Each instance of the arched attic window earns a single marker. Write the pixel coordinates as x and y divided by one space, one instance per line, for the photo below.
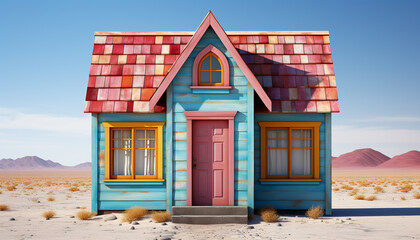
210 69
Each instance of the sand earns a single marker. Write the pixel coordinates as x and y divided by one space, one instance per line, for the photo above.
388 217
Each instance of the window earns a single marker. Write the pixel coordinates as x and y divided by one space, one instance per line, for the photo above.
133 151
289 151
211 71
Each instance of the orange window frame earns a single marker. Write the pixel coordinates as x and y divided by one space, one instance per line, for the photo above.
133 127
211 70
289 126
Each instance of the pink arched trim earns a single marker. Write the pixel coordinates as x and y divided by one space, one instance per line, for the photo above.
220 55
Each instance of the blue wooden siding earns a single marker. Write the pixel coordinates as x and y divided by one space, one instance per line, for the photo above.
121 197
185 100
292 195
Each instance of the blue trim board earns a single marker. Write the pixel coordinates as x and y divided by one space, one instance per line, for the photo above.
94 153
251 133
328 206
210 91
133 183
289 183
169 150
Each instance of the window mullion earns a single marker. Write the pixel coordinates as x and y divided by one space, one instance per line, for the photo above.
133 155
289 149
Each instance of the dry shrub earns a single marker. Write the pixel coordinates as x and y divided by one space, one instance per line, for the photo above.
416 195
250 216
378 189
371 198
48 214
315 212
269 214
82 207
50 199
34 199
403 198
336 189
161 216
85 214
26 183
29 188
353 192
347 187
405 188
74 189
1 192
134 213
266 208
4 207
359 197
11 188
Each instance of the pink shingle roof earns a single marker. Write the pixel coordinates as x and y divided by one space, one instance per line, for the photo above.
294 68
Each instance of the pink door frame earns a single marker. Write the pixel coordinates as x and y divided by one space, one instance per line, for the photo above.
212 115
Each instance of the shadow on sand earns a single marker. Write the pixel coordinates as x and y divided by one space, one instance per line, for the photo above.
373 212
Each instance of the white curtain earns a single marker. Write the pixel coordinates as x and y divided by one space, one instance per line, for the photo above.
122 159
145 158
301 158
277 158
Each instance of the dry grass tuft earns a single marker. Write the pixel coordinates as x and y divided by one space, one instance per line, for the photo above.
4 207
50 199
34 199
269 214
403 198
29 188
134 213
378 189
315 212
11 188
161 216
359 197
74 189
85 214
82 207
371 198
405 188
336 189
353 192
48 214
346 187
1 192
250 216
416 195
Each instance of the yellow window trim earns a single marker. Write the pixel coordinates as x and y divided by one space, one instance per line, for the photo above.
221 71
315 163
159 150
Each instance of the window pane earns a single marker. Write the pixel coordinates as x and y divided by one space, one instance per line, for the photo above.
205 65
117 144
150 143
205 77
307 143
306 133
216 76
272 134
122 162
215 65
295 133
145 162
140 133
296 143
140 144
283 143
272 143
301 161
116 133
126 134
126 144
150 134
283 134
277 162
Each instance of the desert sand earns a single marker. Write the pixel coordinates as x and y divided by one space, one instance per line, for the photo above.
386 217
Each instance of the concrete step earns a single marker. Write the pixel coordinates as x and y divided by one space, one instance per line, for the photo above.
210 210
210 219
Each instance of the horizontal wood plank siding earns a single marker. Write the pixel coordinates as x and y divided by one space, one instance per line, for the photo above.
290 196
185 100
121 197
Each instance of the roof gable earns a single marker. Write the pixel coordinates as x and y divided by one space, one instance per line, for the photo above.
210 21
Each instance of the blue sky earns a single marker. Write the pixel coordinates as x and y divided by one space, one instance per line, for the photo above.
47 45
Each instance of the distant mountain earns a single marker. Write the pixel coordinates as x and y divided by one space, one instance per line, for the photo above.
360 158
410 159
36 163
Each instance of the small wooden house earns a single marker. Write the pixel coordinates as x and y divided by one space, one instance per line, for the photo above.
211 118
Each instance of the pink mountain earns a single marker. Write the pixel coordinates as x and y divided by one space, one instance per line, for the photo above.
360 158
36 163
407 160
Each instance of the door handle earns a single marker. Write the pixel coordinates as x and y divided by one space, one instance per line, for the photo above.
194 165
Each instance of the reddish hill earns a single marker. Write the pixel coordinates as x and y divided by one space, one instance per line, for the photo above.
407 160
360 158
36 163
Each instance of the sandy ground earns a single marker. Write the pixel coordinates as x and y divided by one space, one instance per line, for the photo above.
387 217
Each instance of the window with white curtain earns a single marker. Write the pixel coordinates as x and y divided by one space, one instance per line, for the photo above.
289 150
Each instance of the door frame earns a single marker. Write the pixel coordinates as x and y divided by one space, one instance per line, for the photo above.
212 115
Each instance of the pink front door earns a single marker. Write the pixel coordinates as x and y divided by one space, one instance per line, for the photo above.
210 163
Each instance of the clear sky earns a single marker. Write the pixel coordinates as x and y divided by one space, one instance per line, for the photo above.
46 49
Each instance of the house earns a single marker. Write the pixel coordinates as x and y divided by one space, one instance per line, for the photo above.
211 118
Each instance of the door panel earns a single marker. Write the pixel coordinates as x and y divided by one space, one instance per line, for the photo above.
210 163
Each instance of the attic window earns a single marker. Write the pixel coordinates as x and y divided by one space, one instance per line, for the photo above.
210 69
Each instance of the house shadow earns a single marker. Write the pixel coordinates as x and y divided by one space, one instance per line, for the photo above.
375 212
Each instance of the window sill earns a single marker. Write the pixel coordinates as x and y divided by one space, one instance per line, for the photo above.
291 181
130 182
211 89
